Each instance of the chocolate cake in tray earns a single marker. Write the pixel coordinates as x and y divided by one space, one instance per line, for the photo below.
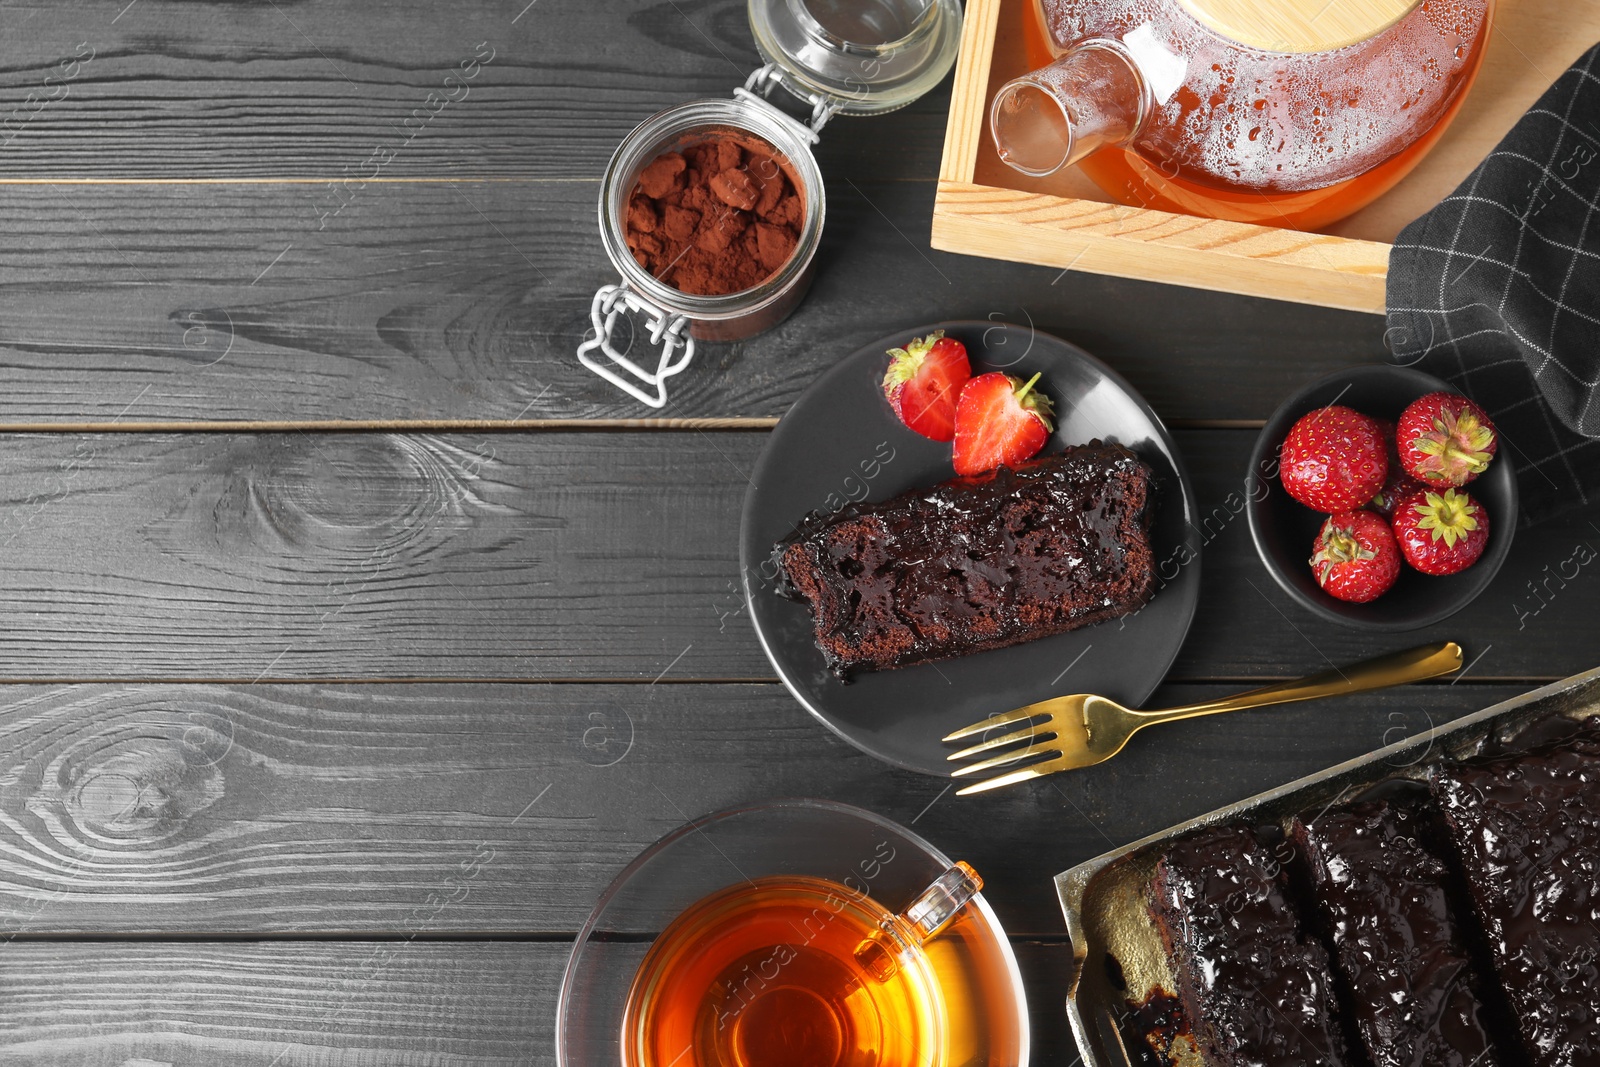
1254 984
1527 827
1060 542
1385 904
1461 918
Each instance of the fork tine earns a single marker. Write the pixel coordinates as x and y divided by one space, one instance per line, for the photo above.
1032 732
1010 757
1002 780
1032 711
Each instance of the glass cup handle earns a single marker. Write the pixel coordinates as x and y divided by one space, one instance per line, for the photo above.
900 936
938 904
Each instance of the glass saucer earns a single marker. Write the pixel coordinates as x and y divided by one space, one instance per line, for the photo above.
978 978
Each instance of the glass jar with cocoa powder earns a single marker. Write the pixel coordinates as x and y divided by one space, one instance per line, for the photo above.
712 211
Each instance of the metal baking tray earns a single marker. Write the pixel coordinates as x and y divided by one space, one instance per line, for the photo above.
1106 899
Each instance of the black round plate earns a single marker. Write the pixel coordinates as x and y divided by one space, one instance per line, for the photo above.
841 443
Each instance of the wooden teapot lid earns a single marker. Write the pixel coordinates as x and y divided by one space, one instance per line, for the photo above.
1298 25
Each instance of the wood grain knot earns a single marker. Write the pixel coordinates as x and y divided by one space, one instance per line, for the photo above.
349 502
140 784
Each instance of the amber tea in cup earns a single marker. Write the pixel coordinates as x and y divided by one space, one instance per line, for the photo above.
795 972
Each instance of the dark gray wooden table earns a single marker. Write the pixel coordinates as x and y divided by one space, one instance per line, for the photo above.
354 637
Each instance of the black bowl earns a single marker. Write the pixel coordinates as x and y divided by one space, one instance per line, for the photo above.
1284 529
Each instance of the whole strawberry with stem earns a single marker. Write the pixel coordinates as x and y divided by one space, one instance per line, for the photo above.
1441 531
1333 459
1000 421
1355 557
924 382
1445 439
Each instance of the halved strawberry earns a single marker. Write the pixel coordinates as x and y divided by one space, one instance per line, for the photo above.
1000 421
924 381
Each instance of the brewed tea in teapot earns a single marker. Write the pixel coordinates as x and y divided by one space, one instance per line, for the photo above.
1288 113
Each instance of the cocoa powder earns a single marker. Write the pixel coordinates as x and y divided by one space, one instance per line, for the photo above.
721 216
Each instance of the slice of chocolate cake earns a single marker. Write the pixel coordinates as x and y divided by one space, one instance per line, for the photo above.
1527 827
977 563
1397 941
1255 987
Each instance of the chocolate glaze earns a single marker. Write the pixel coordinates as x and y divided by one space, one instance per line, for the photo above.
1397 941
1153 1026
1255 985
976 563
1527 828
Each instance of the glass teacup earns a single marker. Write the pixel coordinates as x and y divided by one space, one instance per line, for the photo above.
766 937
795 972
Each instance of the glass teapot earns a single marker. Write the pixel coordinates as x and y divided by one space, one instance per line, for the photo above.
1292 113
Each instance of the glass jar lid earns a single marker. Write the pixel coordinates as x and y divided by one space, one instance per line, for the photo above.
858 57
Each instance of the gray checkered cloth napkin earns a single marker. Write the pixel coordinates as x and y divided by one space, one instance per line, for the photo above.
1497 290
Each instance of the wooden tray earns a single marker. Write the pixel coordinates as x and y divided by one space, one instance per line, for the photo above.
985 208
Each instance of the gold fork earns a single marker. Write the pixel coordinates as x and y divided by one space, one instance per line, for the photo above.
1082 730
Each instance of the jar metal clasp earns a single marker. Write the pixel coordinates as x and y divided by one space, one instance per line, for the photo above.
666 330
759 86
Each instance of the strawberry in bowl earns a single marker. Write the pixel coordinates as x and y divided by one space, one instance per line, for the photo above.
1356 558
1445 439
1396 487
1334 459
1441 532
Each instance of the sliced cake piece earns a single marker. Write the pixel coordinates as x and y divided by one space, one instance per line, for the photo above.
1254 985
1528 830
977 563
1396 938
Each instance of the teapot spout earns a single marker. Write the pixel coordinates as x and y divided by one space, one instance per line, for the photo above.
1093 96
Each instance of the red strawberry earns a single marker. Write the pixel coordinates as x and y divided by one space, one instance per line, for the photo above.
924 381
1386 428
1000 421
1445 439
1441 532
1356 558
1334 459
1397 486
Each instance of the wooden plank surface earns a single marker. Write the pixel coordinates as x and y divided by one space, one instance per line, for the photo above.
443 810
401 1004
116 1004
211 90
225 211
447 301
549 556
